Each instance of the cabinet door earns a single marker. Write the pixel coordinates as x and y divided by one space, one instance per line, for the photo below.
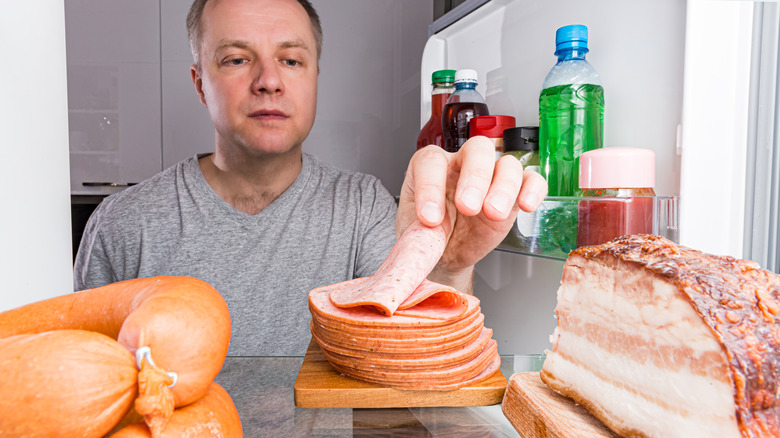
187 126
113 58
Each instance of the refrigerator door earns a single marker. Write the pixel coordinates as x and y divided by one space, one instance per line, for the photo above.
638 49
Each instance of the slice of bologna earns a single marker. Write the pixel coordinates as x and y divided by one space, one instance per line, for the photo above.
419 246
400 330
438 313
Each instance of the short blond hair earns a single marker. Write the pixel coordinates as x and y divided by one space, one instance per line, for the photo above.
194 31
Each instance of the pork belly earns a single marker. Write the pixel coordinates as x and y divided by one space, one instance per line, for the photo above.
659 340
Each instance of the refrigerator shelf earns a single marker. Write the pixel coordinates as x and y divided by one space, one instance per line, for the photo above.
561 224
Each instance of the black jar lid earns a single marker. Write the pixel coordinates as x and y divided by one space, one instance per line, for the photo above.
523 138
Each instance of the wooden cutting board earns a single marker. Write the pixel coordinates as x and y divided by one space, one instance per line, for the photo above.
536 411
319 386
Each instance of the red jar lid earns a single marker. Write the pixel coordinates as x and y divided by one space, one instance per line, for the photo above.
490 126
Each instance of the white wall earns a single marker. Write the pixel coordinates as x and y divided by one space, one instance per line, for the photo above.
35 262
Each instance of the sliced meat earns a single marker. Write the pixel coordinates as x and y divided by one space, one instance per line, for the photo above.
392 362
400 330
418 246
451 378
437 315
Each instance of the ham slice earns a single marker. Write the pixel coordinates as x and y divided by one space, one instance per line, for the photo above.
420 248
400 330
659 340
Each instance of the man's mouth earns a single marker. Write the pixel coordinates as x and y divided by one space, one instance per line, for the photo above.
268 114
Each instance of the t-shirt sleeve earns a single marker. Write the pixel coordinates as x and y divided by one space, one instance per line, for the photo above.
92 267
379 235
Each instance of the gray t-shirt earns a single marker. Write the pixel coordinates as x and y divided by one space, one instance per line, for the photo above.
328 226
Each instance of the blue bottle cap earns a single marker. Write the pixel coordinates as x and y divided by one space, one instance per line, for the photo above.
573 36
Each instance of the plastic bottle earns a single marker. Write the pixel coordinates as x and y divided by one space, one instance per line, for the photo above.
619 183
463 104
493 128
523 143
571 112
443 82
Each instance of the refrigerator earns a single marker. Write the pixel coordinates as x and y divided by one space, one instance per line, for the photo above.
680 78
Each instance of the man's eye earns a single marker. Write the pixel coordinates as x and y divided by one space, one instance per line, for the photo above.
235 61
291 62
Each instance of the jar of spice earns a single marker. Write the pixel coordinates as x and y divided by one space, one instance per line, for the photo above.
618 182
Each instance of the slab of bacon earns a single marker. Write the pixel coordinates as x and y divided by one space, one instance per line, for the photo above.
659 340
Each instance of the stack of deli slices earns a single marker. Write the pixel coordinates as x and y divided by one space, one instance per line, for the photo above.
659 340
398 329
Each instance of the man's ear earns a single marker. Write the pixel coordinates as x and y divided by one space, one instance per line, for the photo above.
198 81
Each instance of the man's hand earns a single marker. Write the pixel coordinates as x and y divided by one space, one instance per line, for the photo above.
474 197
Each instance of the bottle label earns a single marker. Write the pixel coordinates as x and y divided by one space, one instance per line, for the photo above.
571 120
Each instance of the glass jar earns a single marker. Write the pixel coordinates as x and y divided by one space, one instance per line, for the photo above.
618 183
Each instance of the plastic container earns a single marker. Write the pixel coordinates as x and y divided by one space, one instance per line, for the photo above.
462 105
492 127
443 82
619 183
571 112
523 143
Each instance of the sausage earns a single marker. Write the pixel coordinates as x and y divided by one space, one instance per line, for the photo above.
64 383
183 320
214 415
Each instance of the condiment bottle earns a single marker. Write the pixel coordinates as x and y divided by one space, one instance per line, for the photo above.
493 128
619 183
443 82
463 104
571 112
523 143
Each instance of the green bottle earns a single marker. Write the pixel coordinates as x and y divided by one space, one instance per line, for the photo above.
571 112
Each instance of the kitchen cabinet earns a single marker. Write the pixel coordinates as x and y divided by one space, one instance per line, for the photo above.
113 61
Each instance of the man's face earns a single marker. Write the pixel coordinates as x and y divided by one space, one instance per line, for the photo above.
258 75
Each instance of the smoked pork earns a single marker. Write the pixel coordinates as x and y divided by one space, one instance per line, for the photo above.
659 340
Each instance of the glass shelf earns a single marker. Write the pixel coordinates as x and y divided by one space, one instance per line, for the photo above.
561 224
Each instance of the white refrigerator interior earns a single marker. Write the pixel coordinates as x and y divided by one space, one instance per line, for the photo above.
36 244
638 49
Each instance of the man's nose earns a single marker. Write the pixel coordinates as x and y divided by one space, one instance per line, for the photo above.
267 77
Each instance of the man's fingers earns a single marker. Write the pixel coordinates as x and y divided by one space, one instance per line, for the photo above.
532 192
428 169
507 180
475 161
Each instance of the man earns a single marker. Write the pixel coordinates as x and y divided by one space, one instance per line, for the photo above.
263 222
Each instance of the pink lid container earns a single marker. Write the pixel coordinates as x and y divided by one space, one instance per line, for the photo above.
617 167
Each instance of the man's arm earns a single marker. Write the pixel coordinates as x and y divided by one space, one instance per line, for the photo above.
473 196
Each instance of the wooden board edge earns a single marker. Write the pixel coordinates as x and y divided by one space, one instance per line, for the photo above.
536 411
382 397
356 395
